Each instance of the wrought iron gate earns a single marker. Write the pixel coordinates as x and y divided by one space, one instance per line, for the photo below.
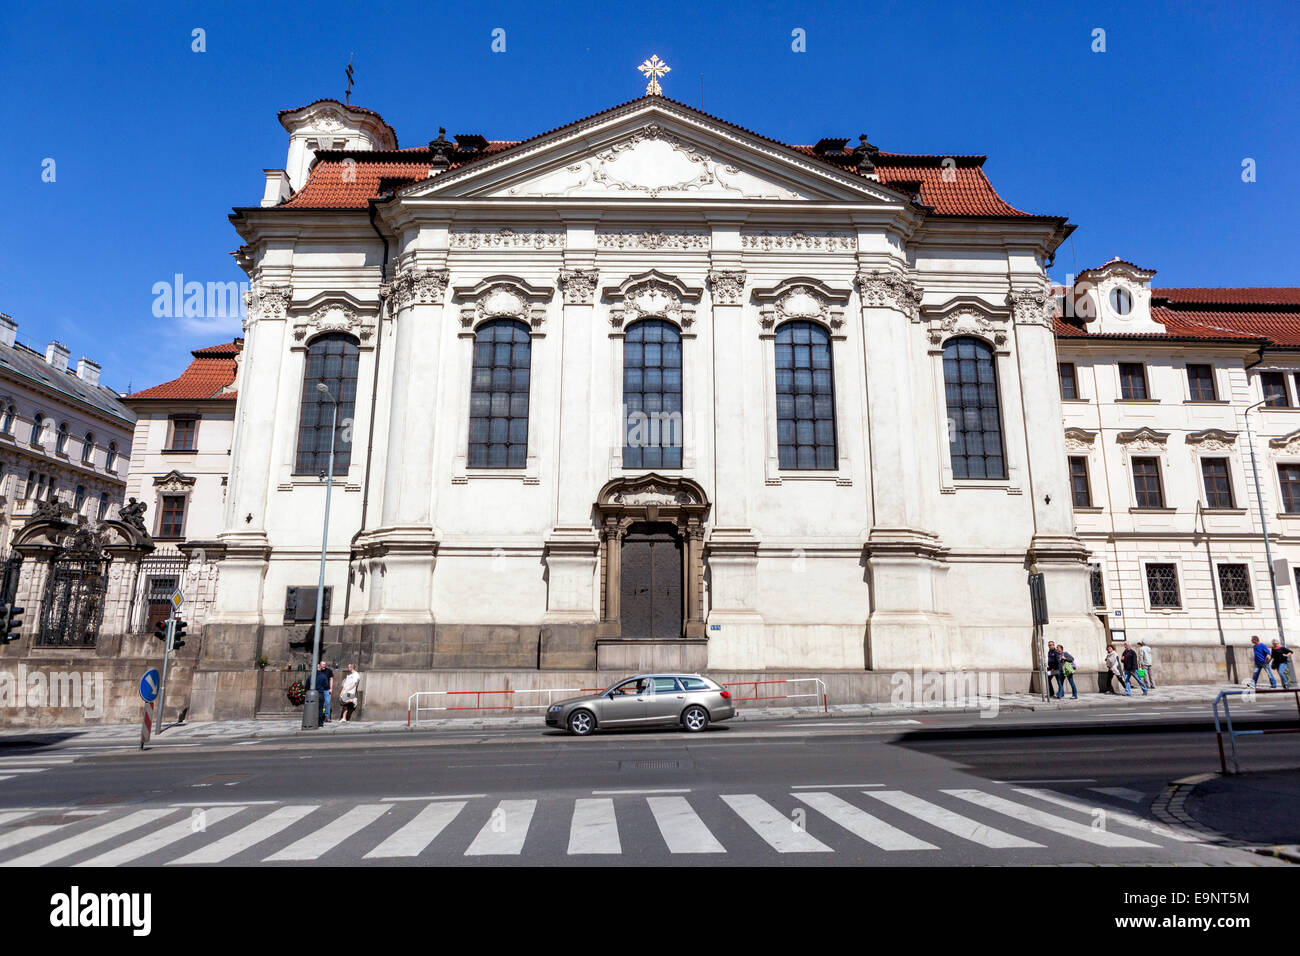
73 605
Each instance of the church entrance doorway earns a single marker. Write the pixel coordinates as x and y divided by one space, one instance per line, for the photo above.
651 595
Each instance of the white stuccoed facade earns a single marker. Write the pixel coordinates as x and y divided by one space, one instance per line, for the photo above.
883 562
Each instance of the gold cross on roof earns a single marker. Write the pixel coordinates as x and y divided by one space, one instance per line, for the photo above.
654 68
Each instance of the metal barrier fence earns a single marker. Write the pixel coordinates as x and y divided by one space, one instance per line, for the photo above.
1234 734
413 702
793 680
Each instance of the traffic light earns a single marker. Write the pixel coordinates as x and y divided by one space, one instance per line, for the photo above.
160 630
178 635
10 623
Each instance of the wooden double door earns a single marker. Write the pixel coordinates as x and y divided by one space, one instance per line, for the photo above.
651 592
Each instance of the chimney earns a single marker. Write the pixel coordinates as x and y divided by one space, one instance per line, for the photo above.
8 330
88 371
56 353
277 187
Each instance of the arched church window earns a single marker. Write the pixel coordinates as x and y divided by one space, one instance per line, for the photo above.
652 395
974 418
498 397
805 397
331 361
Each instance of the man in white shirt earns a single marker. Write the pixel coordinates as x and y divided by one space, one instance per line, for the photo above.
1145 660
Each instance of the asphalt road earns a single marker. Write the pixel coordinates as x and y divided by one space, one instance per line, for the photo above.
947 789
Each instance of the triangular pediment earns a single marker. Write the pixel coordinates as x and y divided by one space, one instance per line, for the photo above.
653 148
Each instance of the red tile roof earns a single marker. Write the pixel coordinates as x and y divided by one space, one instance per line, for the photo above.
212 370
349 179
1255 297
1264 316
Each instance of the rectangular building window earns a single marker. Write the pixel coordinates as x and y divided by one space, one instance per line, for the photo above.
1147 491
1162 585
1132 380
1234 585
184 431
1069 385
1288 477
1218 483
1096 586
1079 482
1200 383
171 516
1274 387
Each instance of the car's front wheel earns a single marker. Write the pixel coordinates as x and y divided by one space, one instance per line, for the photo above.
581 723
695 719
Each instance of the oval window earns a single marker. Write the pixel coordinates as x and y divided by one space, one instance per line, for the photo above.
1121 301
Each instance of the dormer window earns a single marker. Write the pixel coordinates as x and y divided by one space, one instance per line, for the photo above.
1121 301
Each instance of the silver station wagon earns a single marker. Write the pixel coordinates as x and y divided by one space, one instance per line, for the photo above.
647 700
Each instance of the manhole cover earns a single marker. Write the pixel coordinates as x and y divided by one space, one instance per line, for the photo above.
649 765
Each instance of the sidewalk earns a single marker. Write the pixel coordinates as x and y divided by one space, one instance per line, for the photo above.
216 731
1254 808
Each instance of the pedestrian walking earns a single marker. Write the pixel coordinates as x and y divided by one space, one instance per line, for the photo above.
1262 660
324 684
1053 667
1145 659
348 696
1113 673
1067 672
1130 661
1282 663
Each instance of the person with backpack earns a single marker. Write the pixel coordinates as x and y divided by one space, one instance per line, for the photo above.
1067 673
1145 660
1130 661
1262 661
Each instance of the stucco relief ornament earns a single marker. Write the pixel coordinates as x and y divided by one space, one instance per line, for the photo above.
579 285
325 120
267 301
1213 439
728 286
890 290
653 298
966 322
652 239
1144 440
501 302
1079 440
801 302
509 239
419 286
1032 306
334 317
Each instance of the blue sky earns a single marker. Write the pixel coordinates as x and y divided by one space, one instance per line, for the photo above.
1142 145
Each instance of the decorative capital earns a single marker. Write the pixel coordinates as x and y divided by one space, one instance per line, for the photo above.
890 290
267 301
728 286
579 285
1032 306
419 286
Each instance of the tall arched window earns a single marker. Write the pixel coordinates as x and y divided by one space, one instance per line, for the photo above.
332 361
37 424
974 420
61 446
7 426
805 397
652 395
111 460
88 447
498 395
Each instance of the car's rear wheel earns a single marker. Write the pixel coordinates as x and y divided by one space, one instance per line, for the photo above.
581 723
695 719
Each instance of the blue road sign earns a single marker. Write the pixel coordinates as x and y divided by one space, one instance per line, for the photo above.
149 685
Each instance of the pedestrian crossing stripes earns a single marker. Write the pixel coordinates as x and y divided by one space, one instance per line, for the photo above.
871 823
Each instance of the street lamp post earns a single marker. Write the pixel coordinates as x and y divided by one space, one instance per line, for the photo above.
311 706
1263 522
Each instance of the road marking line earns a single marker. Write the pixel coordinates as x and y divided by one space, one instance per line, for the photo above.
445 796
158 840
227 803
505 832
413 838
84 841
779 831
954 823
2 779
1119 816
23 834
634 793
257 831
681 827
1123 793
12 770
1047 821
862 824
7 762
1049 780
594 829
10 816
314 845
834 786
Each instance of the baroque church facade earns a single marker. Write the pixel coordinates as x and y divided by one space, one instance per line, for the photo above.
646 391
